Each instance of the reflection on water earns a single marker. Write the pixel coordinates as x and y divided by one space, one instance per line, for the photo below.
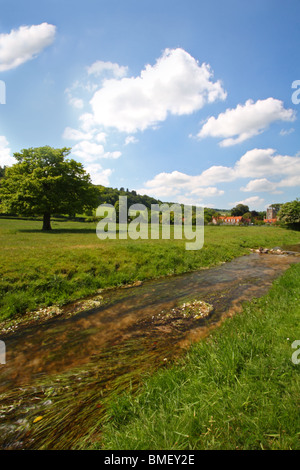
74 364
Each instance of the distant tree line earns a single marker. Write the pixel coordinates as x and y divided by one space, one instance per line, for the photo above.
111 196
44 182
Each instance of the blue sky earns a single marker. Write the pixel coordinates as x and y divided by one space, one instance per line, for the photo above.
189 101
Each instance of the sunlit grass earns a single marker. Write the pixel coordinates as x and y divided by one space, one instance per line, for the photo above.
40 269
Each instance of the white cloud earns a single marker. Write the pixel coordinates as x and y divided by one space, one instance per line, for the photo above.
90 151
176 84
130 140
216 174
5 153
245 121
87 122
209 191
98 175
284 132
159 192
101 137
76 102
99 67
171 184
24 44
175 179
263 162
290 181
257 163
188 201
260 185
264 185
253 201
114 155
74 134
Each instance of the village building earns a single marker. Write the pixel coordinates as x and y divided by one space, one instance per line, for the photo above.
230 220
271 215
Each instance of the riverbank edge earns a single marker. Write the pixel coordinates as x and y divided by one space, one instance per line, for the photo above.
95 300
237 389
77 306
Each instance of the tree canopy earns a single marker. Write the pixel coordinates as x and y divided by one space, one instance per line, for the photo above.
2 171
238 210
290 213
44 182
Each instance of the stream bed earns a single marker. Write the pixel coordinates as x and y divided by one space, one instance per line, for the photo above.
60 375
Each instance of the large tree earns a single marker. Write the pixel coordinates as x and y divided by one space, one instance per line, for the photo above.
44 182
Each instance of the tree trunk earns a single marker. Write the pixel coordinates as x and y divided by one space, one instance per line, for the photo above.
47 221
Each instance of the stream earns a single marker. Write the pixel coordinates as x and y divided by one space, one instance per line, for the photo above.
61 375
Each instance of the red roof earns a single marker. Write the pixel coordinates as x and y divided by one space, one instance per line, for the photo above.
232 217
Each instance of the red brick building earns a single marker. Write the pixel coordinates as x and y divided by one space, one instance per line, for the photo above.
229 220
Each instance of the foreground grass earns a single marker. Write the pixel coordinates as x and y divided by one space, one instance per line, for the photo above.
238 389
39 269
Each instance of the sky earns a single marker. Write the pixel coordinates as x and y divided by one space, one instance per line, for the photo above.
194 101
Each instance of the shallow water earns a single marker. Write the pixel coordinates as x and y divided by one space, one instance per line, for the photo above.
66 370
295 248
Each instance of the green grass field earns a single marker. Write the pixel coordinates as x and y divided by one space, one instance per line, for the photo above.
44 268
238 389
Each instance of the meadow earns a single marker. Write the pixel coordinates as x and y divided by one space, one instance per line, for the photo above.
39 269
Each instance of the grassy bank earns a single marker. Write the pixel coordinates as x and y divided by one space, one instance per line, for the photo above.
238 389
41 269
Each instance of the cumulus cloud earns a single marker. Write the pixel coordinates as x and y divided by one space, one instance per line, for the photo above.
290 181
188 201
284 132
176 85
76 102
23 44
171 184
98 175
253 201
75 134
90 151
87 122
245 121
100 67
5 153
256 163
260 185
101 137
130 140
260 164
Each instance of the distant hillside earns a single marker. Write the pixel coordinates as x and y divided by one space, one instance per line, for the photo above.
111 196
